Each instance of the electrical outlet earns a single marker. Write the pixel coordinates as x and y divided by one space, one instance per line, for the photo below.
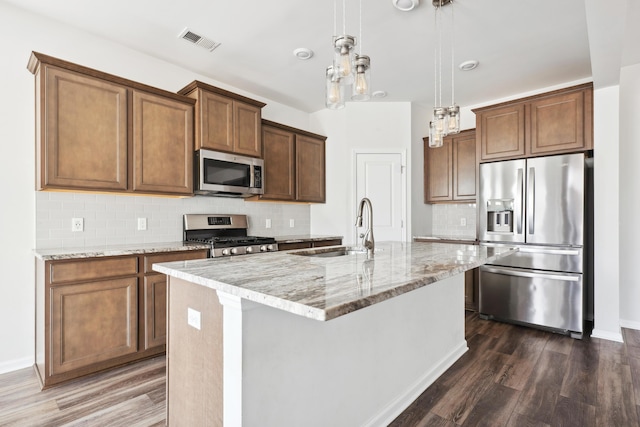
142 224
267 223
292 223
463 222
77 224
193 318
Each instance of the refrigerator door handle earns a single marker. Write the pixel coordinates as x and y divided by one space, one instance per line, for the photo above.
531 274
531 201
519 201
550 251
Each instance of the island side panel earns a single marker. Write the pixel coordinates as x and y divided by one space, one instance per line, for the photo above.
363 368
194 356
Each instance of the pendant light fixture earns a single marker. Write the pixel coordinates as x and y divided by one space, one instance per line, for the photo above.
349 72
445 120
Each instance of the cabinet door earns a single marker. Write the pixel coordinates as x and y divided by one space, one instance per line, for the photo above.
557 124
92 323
438 163
310 169
464 166
162 145
155 310
502 132
247 129
214 122
279 168
82 132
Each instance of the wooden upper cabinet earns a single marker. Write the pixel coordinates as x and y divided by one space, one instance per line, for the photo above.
551 123
502 132
438 166
558 123
162 145
450 171
294 164
82 131
226 121
278 150
464 166
310 169
99 132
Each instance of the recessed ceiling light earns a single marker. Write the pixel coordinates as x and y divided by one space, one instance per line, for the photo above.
303 53
468 65
405 5
379 94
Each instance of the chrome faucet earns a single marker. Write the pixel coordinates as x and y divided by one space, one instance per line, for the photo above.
367 236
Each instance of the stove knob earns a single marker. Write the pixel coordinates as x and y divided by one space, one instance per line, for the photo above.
263 248
249 249
270 248
234 251
226 252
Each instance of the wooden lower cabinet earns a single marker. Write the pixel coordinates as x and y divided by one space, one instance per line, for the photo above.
97 313
308 244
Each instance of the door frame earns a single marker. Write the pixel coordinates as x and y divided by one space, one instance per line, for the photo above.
354 174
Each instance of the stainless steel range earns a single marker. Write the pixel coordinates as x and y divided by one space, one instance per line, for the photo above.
227 235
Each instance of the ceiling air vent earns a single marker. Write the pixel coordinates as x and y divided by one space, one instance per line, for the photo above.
198 40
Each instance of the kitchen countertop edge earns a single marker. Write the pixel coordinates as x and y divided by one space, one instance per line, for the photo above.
116 250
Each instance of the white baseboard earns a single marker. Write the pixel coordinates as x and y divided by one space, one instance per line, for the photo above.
14 365
402 402
607 335
629 324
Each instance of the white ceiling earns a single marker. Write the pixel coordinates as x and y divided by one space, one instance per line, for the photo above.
522 45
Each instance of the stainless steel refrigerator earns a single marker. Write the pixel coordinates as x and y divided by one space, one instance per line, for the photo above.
542 205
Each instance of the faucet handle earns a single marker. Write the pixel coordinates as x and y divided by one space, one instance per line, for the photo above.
361 235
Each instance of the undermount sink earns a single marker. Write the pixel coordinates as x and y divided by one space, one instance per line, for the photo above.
332 252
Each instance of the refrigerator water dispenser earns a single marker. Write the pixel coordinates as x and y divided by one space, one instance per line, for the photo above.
500 215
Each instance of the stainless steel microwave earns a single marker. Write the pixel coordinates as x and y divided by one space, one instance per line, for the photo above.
227 175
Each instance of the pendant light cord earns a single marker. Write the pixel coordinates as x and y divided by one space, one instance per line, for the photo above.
360 36
344 17
453 102
335 18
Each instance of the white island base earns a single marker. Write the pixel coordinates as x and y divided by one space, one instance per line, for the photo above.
253 365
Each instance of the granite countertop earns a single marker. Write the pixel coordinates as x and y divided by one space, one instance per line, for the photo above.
304 238
116 250
435 238
324 288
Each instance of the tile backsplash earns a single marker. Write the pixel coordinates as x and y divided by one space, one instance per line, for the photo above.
454 220
113 219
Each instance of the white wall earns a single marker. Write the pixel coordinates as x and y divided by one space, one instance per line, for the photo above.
606 208
357 126
629 196
22 33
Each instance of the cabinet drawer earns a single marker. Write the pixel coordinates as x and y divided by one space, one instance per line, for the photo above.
92 268
322 243
294 245
149 260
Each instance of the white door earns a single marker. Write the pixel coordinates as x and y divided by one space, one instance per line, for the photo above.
381 178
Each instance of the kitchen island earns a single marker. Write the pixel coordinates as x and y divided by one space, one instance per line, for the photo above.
286 338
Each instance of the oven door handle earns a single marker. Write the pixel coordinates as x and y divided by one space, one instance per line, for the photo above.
529 274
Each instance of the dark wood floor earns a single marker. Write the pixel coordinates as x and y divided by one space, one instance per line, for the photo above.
511 376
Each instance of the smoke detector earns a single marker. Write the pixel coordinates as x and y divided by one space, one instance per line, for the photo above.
198 40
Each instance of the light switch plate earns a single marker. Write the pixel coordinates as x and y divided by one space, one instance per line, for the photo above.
292 223
193 318
267 223
142 224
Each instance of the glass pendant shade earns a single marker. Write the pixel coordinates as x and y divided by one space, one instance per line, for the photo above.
344 58
453 119
334 96
440 120
435 137
362 86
